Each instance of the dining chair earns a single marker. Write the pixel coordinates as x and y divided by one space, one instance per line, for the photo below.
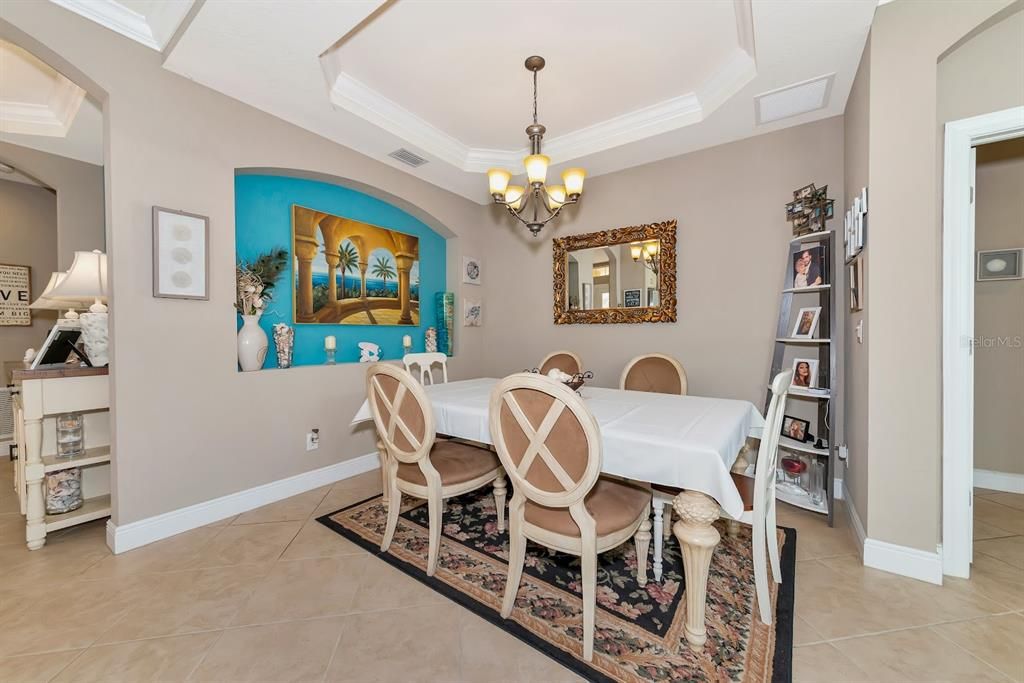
425 362
550 446
566 361
660 374
758 496
419 465
654 372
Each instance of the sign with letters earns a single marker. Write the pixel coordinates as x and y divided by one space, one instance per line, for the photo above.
15 295
631 298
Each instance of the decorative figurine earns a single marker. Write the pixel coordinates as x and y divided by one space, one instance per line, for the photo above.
369 352
430 340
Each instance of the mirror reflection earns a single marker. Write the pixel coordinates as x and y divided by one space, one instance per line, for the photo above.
615 276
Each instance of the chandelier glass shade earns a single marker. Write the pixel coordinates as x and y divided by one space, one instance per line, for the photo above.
538 203
649 252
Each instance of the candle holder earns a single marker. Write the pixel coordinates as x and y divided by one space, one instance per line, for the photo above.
407 348
330 356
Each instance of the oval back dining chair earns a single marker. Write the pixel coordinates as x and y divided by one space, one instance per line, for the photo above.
425 362
759 496
654 372
550 446
418 465
566 361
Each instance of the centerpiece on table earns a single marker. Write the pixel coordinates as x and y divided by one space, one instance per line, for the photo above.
254 285
573 381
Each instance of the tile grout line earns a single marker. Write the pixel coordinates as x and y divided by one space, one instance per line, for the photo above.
205 655
969 653
908 628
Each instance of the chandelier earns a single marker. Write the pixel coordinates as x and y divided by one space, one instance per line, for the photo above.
536 205
649 251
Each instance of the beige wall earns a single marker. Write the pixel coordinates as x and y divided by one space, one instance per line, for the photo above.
187 426
79 186
732 257
904 168
999 312
855 137
28 237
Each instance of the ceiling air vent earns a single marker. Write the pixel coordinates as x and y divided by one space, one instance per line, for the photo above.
795 99
408 158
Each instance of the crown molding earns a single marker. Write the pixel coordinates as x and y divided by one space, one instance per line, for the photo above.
363 101
116 17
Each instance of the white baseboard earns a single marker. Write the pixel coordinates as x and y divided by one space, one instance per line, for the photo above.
858 525
999 481
899 559
124 537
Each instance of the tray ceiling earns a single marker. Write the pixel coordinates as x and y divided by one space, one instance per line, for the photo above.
627 82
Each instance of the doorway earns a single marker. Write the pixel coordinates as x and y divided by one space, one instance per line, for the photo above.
959 270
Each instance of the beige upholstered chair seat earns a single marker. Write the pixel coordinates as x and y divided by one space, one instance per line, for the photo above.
614 505
455 462
655 373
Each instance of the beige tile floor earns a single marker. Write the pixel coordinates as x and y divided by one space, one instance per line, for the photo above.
271 595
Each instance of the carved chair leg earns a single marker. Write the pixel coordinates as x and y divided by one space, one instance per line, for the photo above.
659 536
516 558
500 492
642 538
435 510
588 562
394 507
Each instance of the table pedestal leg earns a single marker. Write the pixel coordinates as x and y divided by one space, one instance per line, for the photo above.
698 538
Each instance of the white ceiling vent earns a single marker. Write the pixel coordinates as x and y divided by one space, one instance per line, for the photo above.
791 100
408 158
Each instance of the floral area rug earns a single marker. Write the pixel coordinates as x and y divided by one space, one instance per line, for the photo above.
639 630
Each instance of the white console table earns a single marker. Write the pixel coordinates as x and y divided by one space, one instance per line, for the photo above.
41 395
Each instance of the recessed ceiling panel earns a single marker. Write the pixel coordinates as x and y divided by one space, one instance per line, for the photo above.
35 99
459 65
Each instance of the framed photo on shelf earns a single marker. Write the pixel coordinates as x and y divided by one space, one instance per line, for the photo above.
806 322
795 428
805 373
809 267
181 254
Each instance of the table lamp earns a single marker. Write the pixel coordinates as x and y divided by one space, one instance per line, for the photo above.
45 302
85 280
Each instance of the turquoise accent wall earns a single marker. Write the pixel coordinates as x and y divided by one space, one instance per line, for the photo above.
263 220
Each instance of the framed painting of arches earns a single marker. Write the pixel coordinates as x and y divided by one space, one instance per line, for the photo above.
348 272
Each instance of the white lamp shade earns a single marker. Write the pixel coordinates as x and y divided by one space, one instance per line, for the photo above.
44 301
86 279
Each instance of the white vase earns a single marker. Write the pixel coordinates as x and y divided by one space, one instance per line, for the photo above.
252 344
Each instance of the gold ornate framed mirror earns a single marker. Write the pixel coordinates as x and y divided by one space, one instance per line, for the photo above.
625 275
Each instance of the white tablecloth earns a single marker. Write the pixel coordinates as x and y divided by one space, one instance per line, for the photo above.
689 442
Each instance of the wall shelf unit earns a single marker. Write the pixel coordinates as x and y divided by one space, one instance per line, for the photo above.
826 403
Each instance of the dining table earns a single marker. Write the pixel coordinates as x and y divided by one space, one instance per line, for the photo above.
691 443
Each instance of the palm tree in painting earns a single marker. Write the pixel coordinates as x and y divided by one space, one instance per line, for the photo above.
348 262
383 271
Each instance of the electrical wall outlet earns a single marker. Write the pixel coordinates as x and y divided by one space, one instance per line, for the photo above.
313 440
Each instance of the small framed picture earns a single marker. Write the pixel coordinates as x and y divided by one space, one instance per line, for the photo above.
805 373
855 276
806 322
631 298
472 313
809 267
181 254
1000 264
804 192
15 295
795 428
471 270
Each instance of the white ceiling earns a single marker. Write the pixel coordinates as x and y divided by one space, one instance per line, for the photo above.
40 108
627 82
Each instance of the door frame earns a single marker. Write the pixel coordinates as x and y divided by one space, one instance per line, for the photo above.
961 137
